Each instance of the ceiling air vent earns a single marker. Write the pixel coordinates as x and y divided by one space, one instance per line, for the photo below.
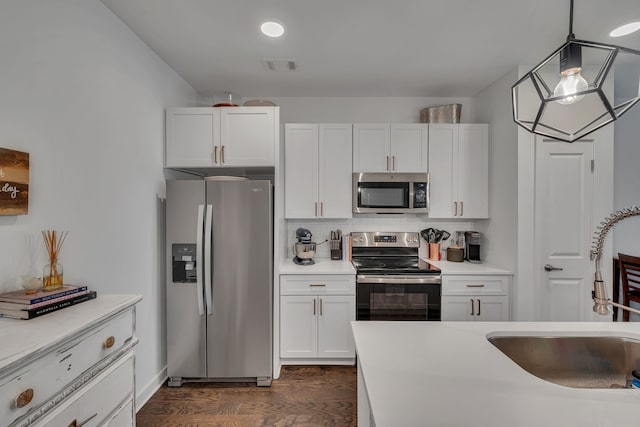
279 64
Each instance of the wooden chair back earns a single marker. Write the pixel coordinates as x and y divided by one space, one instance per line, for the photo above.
630 278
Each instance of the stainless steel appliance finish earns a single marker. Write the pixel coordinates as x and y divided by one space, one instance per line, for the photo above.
578 361
473 241
392 282
390 193
219 318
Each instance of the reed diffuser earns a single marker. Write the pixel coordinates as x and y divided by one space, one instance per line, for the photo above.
52 272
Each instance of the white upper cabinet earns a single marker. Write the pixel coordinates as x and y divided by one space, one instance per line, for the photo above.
459 170
219 137
381 147
192 134
318 170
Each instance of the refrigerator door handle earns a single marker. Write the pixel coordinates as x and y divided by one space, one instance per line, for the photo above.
199 264
208 237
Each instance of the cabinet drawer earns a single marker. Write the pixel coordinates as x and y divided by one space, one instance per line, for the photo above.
475 285
54 371
100 400
317 284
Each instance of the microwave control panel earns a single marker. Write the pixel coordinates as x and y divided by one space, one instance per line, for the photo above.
419 194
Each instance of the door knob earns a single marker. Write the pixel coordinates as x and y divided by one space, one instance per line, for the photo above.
550 267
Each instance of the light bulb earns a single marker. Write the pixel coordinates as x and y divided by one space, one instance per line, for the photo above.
570 83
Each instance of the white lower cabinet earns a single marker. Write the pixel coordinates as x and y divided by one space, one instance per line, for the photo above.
482 298
315 316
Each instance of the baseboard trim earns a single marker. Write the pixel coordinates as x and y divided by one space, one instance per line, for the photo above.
150 388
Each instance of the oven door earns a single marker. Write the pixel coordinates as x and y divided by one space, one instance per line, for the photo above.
389 297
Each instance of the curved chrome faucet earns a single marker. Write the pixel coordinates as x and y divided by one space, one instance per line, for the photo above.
601 302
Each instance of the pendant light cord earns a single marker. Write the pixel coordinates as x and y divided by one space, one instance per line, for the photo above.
571 35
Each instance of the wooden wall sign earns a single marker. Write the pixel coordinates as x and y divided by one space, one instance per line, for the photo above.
14 182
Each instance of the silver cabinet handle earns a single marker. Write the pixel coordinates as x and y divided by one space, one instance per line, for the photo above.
317 284
215 155
550 267
314 306
222 155
461 208
320 306
472 307
321 208
393 162
387 162
316 210
475 286
455 208
478 307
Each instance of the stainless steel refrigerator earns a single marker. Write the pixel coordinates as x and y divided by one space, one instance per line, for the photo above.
219 280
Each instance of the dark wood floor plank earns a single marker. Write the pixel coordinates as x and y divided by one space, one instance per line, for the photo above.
303 396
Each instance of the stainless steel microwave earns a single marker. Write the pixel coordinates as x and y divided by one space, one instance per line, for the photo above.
390 193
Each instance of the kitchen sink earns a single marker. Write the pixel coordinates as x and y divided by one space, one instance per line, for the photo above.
574 361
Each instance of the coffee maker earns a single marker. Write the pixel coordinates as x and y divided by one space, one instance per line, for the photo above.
472 240
304 249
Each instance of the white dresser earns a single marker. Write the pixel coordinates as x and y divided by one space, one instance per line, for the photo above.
71 367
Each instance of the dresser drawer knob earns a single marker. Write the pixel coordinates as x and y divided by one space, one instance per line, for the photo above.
24 398
109 342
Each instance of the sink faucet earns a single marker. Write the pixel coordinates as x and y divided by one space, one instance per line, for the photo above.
599 294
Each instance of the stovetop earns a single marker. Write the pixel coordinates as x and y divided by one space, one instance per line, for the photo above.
393 265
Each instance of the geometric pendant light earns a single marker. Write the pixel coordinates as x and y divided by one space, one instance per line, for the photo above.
570 93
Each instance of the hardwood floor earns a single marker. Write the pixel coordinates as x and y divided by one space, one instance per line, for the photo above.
303 396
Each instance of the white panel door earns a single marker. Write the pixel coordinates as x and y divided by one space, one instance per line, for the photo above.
191 136
247 136
334 330
473 171
409 145
564 185
443 153
371 146
298 326
301 170
334 170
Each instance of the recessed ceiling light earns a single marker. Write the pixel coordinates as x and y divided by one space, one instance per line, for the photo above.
625 29
272 29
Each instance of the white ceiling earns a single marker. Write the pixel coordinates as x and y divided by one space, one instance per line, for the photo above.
363 47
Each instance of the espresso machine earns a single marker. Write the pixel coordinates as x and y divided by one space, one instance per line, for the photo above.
304 249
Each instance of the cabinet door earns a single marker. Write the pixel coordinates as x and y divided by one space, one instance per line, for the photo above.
492 308
334 329
298 326
443 152
334 170
247 136
409 145
473 173
371 147
301 170
191 136
457 308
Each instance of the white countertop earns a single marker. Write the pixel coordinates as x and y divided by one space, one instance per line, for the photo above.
322 266
449 267
20 338
448 374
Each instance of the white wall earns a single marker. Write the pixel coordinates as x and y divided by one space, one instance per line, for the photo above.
86 98
493 106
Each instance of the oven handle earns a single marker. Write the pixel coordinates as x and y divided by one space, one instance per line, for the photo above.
400 280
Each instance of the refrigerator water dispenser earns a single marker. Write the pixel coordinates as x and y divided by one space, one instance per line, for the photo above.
184 262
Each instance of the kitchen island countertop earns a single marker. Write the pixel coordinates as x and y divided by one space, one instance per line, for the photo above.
449 374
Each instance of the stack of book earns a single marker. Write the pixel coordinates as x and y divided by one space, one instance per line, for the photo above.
18 305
